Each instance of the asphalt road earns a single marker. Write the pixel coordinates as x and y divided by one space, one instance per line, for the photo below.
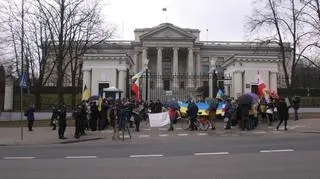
288 156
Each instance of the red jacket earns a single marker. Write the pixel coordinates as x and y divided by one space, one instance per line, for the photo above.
172 113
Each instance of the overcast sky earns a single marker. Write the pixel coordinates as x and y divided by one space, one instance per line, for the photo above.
224 19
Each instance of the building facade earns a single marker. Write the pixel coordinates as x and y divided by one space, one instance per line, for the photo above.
171 52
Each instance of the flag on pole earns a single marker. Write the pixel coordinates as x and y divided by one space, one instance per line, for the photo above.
220 94
164 9
261 85
85 93
135 86
100 103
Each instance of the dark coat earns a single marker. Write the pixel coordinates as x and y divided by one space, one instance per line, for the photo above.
283 110
30 114
192 110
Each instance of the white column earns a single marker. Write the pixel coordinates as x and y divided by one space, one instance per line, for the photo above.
237 84
144 81
159 66
144 54
273 81
210 84
8 95
175 67
198 59
86 80
122 82
135 61
190 67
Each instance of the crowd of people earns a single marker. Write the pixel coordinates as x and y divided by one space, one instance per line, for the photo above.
118 114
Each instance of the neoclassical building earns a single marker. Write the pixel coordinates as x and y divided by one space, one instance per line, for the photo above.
179 62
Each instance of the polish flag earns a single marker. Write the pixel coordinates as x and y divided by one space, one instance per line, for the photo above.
261 85
135 89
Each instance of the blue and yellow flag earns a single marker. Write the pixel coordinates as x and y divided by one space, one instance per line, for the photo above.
85 93
220 94
100 103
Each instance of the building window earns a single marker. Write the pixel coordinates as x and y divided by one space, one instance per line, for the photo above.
166 85
181 85
205 69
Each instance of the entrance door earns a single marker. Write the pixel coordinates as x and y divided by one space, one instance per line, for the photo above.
102 86
254 89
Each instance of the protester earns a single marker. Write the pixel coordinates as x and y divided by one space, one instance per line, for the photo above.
192 112
29 113
283 113
62 114
54 117
172 115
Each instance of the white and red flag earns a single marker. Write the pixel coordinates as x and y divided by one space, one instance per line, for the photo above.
135 85
261 85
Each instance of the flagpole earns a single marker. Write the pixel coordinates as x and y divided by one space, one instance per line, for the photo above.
22 69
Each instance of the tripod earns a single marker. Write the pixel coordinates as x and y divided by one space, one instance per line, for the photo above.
123 126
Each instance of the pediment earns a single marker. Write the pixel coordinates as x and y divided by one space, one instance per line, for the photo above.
168 32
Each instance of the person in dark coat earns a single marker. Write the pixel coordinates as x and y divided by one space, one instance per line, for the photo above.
283 111
152 107
192 112
30 116
84 118
54 117
158 106
62 114
94 116
78 122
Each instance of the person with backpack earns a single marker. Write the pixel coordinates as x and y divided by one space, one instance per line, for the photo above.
192 112
212 113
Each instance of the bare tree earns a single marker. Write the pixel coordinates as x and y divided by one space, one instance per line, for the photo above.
70 21
282 19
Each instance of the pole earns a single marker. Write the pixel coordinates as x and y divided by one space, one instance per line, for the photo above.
214 83
147 83
22 68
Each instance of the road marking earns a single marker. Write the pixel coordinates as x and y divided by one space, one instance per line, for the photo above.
163 135
144 156
259 132
18 158
182 134
178 128
163 129
213 153
281 150
80 157
144 136
201 134
125 136
147 129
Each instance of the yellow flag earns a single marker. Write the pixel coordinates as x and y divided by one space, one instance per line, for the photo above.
100 104
85 93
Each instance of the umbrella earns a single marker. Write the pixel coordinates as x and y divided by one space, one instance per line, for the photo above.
94 98
245 99
254 96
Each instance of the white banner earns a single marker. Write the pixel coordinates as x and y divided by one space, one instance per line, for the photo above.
159 119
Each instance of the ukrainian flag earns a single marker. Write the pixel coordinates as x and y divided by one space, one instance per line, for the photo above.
85 93
203 107
100 103
220 94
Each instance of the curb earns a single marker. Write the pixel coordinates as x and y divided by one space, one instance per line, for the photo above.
79 140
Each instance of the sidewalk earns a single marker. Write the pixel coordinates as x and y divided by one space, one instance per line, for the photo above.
42 136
